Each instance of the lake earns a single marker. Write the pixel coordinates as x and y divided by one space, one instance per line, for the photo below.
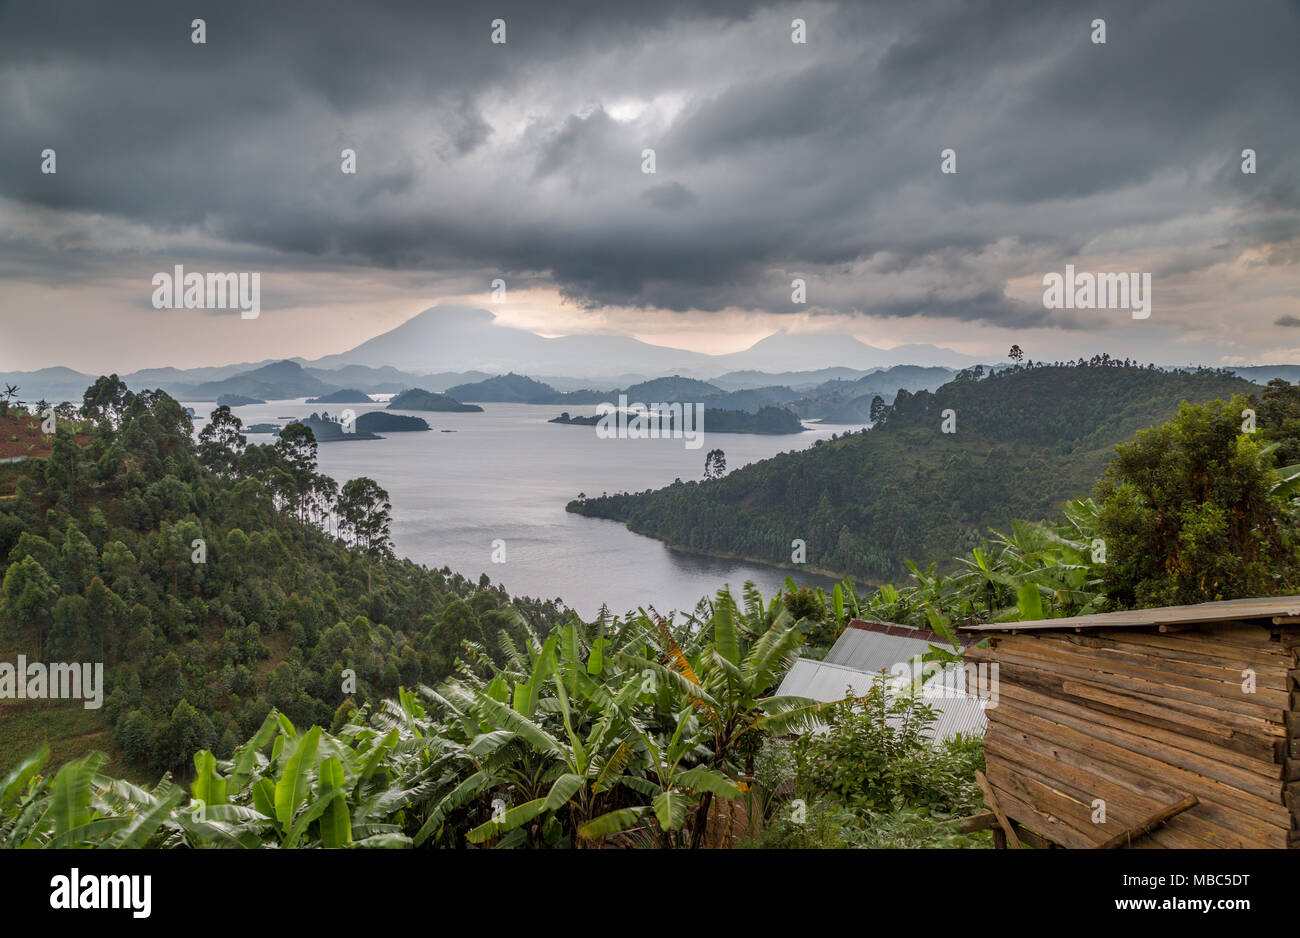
506 474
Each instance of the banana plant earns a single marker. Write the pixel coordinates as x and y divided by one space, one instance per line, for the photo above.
81 808
673 790
726 666
566 728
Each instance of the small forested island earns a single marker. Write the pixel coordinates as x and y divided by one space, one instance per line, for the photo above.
376 421
420 399
262 428
576 421
770 420
329 429
237 400
342 396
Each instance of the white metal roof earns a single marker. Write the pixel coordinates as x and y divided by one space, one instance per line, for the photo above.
871 651
826 681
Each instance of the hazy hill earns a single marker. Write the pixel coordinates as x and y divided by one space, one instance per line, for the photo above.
1025 440
276 381
342 396
510 388
1263 374
237 400
52 384
850 401
520 389
446 337
673 388
752 398
785 351
386 380
450 337
742 380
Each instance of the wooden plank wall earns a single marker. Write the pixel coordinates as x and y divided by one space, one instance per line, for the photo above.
1290 640
1139 719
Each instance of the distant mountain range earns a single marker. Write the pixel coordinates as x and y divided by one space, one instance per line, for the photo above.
834 401
446 346
447 337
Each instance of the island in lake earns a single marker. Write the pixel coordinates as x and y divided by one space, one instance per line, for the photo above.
342 396
237 400
328 429
420 399
376 421
263 428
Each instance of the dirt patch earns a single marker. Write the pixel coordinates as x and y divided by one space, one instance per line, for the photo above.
20 435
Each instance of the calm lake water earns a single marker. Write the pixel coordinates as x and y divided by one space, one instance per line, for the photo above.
507 474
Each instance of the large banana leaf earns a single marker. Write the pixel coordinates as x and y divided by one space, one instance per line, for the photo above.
613 822
335 825
208 786
509 820
70 798
15 783
293 784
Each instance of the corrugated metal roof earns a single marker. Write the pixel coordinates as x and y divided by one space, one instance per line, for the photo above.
826 681
870 651
1278 607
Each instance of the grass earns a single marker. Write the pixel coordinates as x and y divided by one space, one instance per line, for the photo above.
67 727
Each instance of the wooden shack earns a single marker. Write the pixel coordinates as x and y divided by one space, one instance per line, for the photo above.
1169 727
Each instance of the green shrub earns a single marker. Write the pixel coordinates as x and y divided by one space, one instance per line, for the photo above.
877 756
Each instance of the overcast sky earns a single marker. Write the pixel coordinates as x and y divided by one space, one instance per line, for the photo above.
774 160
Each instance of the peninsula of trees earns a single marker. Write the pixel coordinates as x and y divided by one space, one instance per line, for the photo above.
1024 440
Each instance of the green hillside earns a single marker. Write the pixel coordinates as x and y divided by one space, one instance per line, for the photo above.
295 582
1027 439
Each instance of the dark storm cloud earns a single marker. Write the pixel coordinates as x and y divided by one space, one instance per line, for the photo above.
669 196
774 159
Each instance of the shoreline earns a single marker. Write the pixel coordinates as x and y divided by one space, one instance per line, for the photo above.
721 555
792 567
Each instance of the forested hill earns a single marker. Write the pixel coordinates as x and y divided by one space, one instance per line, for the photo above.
1026 439
215 580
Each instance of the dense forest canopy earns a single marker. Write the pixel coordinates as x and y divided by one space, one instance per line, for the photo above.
296 583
